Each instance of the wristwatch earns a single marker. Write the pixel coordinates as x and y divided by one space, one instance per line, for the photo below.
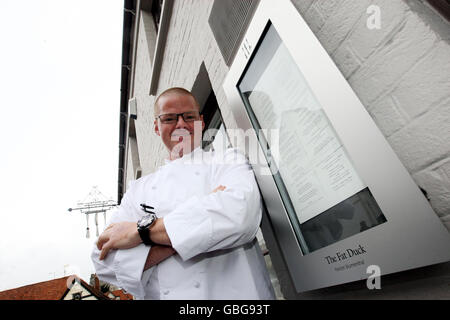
143 227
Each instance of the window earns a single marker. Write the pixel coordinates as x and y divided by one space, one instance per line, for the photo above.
156 12
214 136
76 296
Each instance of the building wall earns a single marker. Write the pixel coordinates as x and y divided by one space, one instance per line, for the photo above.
400 72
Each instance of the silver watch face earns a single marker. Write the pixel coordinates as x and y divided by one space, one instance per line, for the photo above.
147 221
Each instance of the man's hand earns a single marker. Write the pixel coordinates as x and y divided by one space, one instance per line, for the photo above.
122 235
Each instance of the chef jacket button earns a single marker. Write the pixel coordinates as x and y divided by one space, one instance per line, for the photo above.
154 187
166 292
197 284
197 173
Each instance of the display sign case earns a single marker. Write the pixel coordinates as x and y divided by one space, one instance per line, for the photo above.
337 196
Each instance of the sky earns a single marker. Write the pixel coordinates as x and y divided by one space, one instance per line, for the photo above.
59 131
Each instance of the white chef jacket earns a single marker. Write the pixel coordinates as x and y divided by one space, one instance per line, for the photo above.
213 234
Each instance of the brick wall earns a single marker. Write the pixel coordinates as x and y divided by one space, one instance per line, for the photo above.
400 72
149 145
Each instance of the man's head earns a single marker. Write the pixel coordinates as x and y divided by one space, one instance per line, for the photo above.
178 121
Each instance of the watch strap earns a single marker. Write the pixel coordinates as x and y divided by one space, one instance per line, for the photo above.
144 233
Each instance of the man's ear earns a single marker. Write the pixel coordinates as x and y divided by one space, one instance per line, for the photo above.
156 127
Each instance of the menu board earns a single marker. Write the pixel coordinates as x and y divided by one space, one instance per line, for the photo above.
311 160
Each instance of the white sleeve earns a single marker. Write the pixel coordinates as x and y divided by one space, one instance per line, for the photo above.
220 220
123 268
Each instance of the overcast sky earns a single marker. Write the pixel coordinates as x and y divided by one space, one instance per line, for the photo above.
60 92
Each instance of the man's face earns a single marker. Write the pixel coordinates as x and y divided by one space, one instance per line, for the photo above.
178 136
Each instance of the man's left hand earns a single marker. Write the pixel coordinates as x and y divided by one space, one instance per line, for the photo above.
122 235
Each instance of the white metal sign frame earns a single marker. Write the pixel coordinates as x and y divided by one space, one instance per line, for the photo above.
413 235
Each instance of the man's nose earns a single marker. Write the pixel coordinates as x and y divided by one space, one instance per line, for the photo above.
180 122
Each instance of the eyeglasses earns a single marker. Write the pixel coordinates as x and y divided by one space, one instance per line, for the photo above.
171 118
